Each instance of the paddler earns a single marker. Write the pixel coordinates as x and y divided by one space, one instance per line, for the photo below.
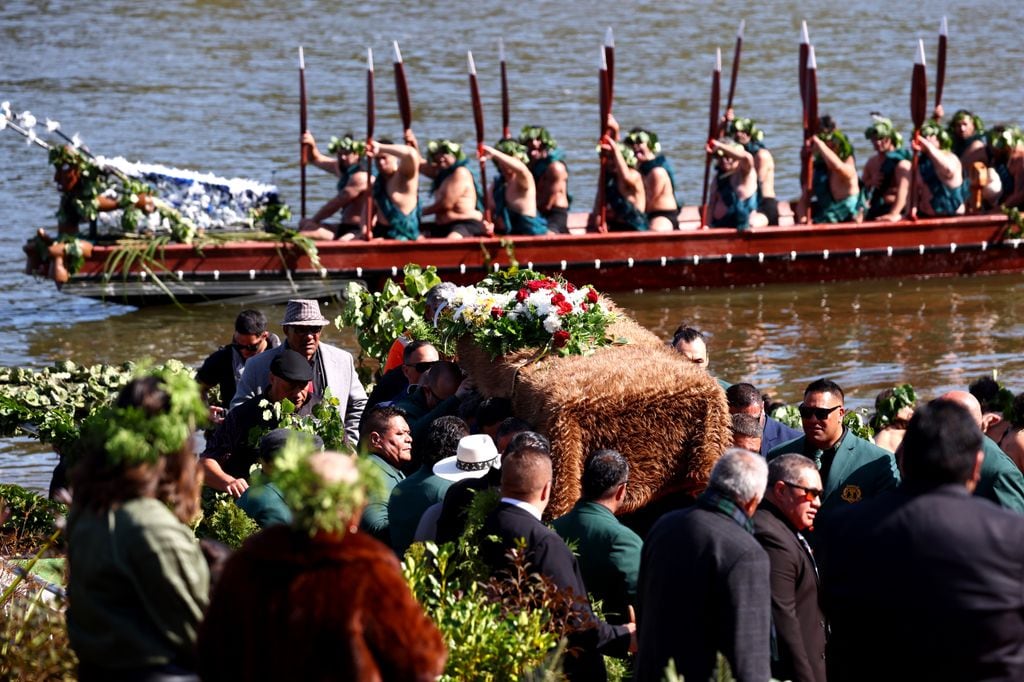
624 192
514 192
347 165
746 132
396 189
551 176
836 188
940 181
458 199
733 200
1006 151
886 177
968 134
659 180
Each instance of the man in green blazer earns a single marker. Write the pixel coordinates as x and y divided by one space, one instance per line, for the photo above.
852 469
609 553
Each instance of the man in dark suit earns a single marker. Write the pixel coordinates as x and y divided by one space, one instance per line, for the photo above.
526 491
609 553
704 581
927 582
852 469
746 399
789 507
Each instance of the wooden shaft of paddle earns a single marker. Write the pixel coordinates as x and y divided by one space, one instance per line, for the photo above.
601 221
505 130
371 118
303 127
735 64
713 126
940 73
810 130
478 122
918 104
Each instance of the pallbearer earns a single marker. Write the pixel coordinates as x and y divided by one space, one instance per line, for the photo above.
551 176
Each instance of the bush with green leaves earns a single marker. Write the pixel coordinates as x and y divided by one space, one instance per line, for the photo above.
34 640
223 520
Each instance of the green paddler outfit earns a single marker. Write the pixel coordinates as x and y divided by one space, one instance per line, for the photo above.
859 470
409 499
827 209
139 585
375 519
1000 481
265 505
609 556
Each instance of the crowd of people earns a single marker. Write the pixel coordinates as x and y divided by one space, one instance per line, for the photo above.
812 553
960 168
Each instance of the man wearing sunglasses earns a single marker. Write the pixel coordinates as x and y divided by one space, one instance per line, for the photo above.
789 508
852 469
223 367
417 358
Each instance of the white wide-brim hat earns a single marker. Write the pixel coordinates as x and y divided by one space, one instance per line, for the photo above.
474 458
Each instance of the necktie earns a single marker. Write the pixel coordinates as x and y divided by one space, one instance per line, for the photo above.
807 548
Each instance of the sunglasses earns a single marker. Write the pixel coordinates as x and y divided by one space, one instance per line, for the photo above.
421 366
252 348
819 413
306 331
810 494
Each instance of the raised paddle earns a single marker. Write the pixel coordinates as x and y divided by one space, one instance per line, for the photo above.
402 89
601 219
609 59
918 104
940 73
810 127
735 63
371 117
805 46
478 121
716 96
303 126
505 130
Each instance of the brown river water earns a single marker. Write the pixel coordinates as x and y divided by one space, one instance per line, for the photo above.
211 85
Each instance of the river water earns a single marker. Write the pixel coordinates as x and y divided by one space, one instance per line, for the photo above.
211 85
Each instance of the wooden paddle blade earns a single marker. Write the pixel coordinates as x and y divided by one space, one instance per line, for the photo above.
735 63
602 91
609 57
940 73
805 44
716 97
303 127
919 89
474 94
812 92
505 130
371 102
402 90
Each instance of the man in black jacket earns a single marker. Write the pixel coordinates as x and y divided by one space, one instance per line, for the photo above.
789 507
927 582
526 491
704 585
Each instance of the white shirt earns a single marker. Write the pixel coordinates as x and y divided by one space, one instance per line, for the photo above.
526 506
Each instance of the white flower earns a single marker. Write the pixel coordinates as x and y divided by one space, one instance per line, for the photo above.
76 141
5 109
552 323
52 125
27 119
541 301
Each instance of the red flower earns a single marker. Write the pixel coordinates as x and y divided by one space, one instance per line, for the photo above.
560 338
534 285
522 295
569 287
563 308
592 296
557 298
496 311
548 284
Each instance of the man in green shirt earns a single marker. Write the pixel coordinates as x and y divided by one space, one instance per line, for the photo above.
609 553
387 441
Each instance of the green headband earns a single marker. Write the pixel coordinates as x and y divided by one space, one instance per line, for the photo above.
932 128
529 133
436 148
1005 137
130 437
346 145
841 141
883 129
513 148
639 136
889 407
979 126
746 125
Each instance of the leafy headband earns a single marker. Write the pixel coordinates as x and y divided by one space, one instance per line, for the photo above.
640 136
436 148
1005 137
843 147
346 145
513 148
529 133
931 128
746 125
627 154
883 129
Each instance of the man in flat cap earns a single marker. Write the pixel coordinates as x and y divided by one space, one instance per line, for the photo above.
229 455
331 366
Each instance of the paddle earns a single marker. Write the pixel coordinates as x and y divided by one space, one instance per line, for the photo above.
601 219
402 88
478 121
810 126
303 154
805 45
918 104
940 74
371 112
505 131
735 64
716 77
609 60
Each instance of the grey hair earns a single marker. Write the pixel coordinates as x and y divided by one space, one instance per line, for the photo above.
740 475
747 425
788 467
